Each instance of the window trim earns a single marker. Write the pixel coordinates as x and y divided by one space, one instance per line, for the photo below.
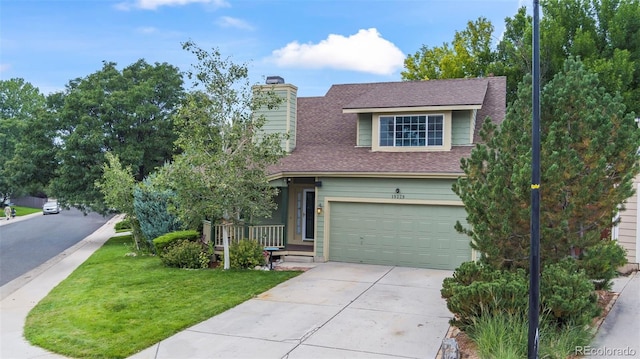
426 131
446 132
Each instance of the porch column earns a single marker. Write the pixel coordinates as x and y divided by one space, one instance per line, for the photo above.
284 204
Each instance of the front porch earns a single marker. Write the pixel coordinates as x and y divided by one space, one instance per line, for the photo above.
268 235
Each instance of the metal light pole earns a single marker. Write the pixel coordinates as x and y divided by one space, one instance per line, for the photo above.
534 255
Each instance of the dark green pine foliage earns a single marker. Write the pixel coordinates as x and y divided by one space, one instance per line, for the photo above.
588 160
150 205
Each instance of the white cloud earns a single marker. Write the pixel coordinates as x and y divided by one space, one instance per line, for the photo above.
228 21
146 30
4 67
365 51
154 4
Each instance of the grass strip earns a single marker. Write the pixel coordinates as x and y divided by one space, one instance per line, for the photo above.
23 211
116 304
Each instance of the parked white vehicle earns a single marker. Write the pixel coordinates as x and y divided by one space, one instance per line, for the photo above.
51 207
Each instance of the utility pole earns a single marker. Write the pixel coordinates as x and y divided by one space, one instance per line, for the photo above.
534 255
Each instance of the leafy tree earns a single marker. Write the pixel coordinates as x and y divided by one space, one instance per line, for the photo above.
116 185
128 113
514 53
469 55
34 161
589 159
21 109
605 34
221 173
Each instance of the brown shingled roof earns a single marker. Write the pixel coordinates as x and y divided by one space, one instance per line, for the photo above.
326 137
423 93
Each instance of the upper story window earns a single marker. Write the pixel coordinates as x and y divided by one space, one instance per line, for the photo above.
411 131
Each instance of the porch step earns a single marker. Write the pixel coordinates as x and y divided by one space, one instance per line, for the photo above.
298 259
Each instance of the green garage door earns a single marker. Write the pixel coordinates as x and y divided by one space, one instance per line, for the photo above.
397 234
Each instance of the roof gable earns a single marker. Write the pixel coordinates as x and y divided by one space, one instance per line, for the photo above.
326 134
454 92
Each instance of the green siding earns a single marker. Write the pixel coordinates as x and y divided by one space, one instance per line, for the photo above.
420 189
280 182
398 234
279 213
292 106
460 127
278 119
364 129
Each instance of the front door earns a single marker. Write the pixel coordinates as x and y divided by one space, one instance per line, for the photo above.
308 216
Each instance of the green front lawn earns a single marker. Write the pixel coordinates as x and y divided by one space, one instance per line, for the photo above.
22 211
115 304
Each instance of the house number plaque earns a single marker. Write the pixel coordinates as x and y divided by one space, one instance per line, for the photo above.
397 195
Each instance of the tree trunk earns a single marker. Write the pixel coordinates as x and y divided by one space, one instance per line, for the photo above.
225 239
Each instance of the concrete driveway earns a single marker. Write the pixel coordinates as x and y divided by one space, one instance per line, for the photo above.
334 310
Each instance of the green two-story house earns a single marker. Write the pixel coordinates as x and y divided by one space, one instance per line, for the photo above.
369 167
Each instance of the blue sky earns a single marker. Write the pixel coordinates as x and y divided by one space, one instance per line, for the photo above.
312 44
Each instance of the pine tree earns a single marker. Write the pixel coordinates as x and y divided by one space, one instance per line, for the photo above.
150 204
589 157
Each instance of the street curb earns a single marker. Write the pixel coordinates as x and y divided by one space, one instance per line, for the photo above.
598 323
11 287
4 222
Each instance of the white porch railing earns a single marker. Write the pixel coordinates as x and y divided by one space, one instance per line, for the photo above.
271 235
235 233
268 235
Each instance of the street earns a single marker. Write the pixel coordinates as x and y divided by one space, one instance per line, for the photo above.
26 244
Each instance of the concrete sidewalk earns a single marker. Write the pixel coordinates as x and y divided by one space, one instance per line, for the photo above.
23 293
619 334
334 310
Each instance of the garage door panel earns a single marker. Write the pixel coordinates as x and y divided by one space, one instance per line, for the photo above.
395 234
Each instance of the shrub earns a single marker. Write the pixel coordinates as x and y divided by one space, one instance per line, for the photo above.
185 254
246 254
123 225
477 290
470 272
166 240
567 295
600 263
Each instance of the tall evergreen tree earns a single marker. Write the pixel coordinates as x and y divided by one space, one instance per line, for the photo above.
589 152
